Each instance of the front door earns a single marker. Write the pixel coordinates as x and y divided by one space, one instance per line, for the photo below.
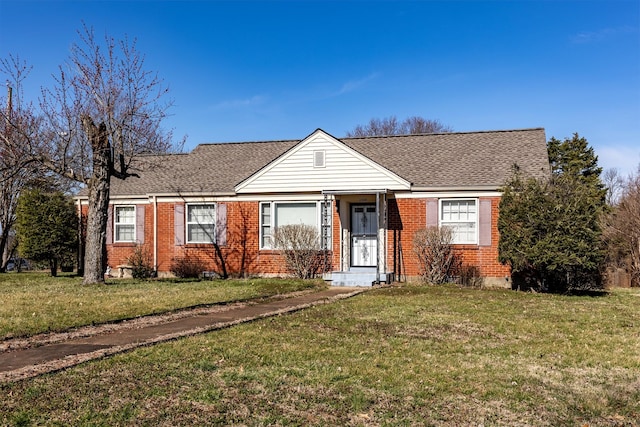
364 241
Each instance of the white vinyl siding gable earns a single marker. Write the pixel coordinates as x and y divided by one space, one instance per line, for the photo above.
319 163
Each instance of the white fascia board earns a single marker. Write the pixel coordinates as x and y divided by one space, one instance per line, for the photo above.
246 198
356 192
417 188
447 194
129 201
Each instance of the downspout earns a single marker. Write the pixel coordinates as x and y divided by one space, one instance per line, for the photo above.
377 237
155 234
80 239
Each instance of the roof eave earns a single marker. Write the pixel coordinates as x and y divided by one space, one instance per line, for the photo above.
417 188
173 194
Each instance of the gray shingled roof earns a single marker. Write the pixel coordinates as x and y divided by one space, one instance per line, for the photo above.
458 159
447 160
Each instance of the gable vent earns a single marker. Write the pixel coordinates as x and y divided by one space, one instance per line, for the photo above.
318 159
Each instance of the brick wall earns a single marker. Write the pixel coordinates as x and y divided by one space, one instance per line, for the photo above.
243 257
406 216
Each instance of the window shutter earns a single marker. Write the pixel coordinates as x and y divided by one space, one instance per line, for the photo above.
221 225
484 218
110 225
432 212
140 223
178 224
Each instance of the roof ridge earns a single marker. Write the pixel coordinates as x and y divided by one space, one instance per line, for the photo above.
248 142
443 133
267 141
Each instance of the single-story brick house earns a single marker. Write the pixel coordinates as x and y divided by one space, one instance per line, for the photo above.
366 196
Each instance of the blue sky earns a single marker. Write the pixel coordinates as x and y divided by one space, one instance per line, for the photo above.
246 71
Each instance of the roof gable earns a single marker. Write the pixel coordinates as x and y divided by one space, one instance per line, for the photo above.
321 162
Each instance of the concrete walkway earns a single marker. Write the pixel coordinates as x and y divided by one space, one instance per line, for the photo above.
29 362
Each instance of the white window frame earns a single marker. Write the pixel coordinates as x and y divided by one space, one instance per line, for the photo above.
266 230
117 225
476 222
188 224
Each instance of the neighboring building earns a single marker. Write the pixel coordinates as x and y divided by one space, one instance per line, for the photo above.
366 196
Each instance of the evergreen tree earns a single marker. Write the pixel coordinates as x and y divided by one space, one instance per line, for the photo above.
549 229
46 227
573 159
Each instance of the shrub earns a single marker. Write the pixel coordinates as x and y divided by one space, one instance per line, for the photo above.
469 275
188 267
550 233
438 262
300 247
141 264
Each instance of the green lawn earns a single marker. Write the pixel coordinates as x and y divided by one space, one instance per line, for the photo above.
32 303
392 356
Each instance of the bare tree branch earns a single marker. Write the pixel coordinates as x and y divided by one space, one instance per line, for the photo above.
103 106
391 126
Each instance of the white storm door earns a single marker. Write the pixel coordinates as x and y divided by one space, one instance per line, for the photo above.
364 241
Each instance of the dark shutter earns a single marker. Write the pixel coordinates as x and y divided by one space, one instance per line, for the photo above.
110 225
221 224
140 223
178 222
484 213
432 212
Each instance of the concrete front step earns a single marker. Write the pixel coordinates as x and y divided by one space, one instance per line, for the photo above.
358 277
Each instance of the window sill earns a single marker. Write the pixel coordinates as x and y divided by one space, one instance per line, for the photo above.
199 245
466 246
123 244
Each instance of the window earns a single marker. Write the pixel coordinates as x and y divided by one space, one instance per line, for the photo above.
201 223
275 214
265 225
461 215
125 223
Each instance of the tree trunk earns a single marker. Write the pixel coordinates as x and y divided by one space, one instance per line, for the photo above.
223 264
4 255
53 267
95 260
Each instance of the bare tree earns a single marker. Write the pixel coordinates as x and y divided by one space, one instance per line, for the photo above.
376 127
18 120
10 184
103 112
614 183
418 125
622 229
391 126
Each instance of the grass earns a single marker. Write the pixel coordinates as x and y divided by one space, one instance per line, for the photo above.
392 356
33 302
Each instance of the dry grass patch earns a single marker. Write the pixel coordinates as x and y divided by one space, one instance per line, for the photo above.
36 303
439 356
